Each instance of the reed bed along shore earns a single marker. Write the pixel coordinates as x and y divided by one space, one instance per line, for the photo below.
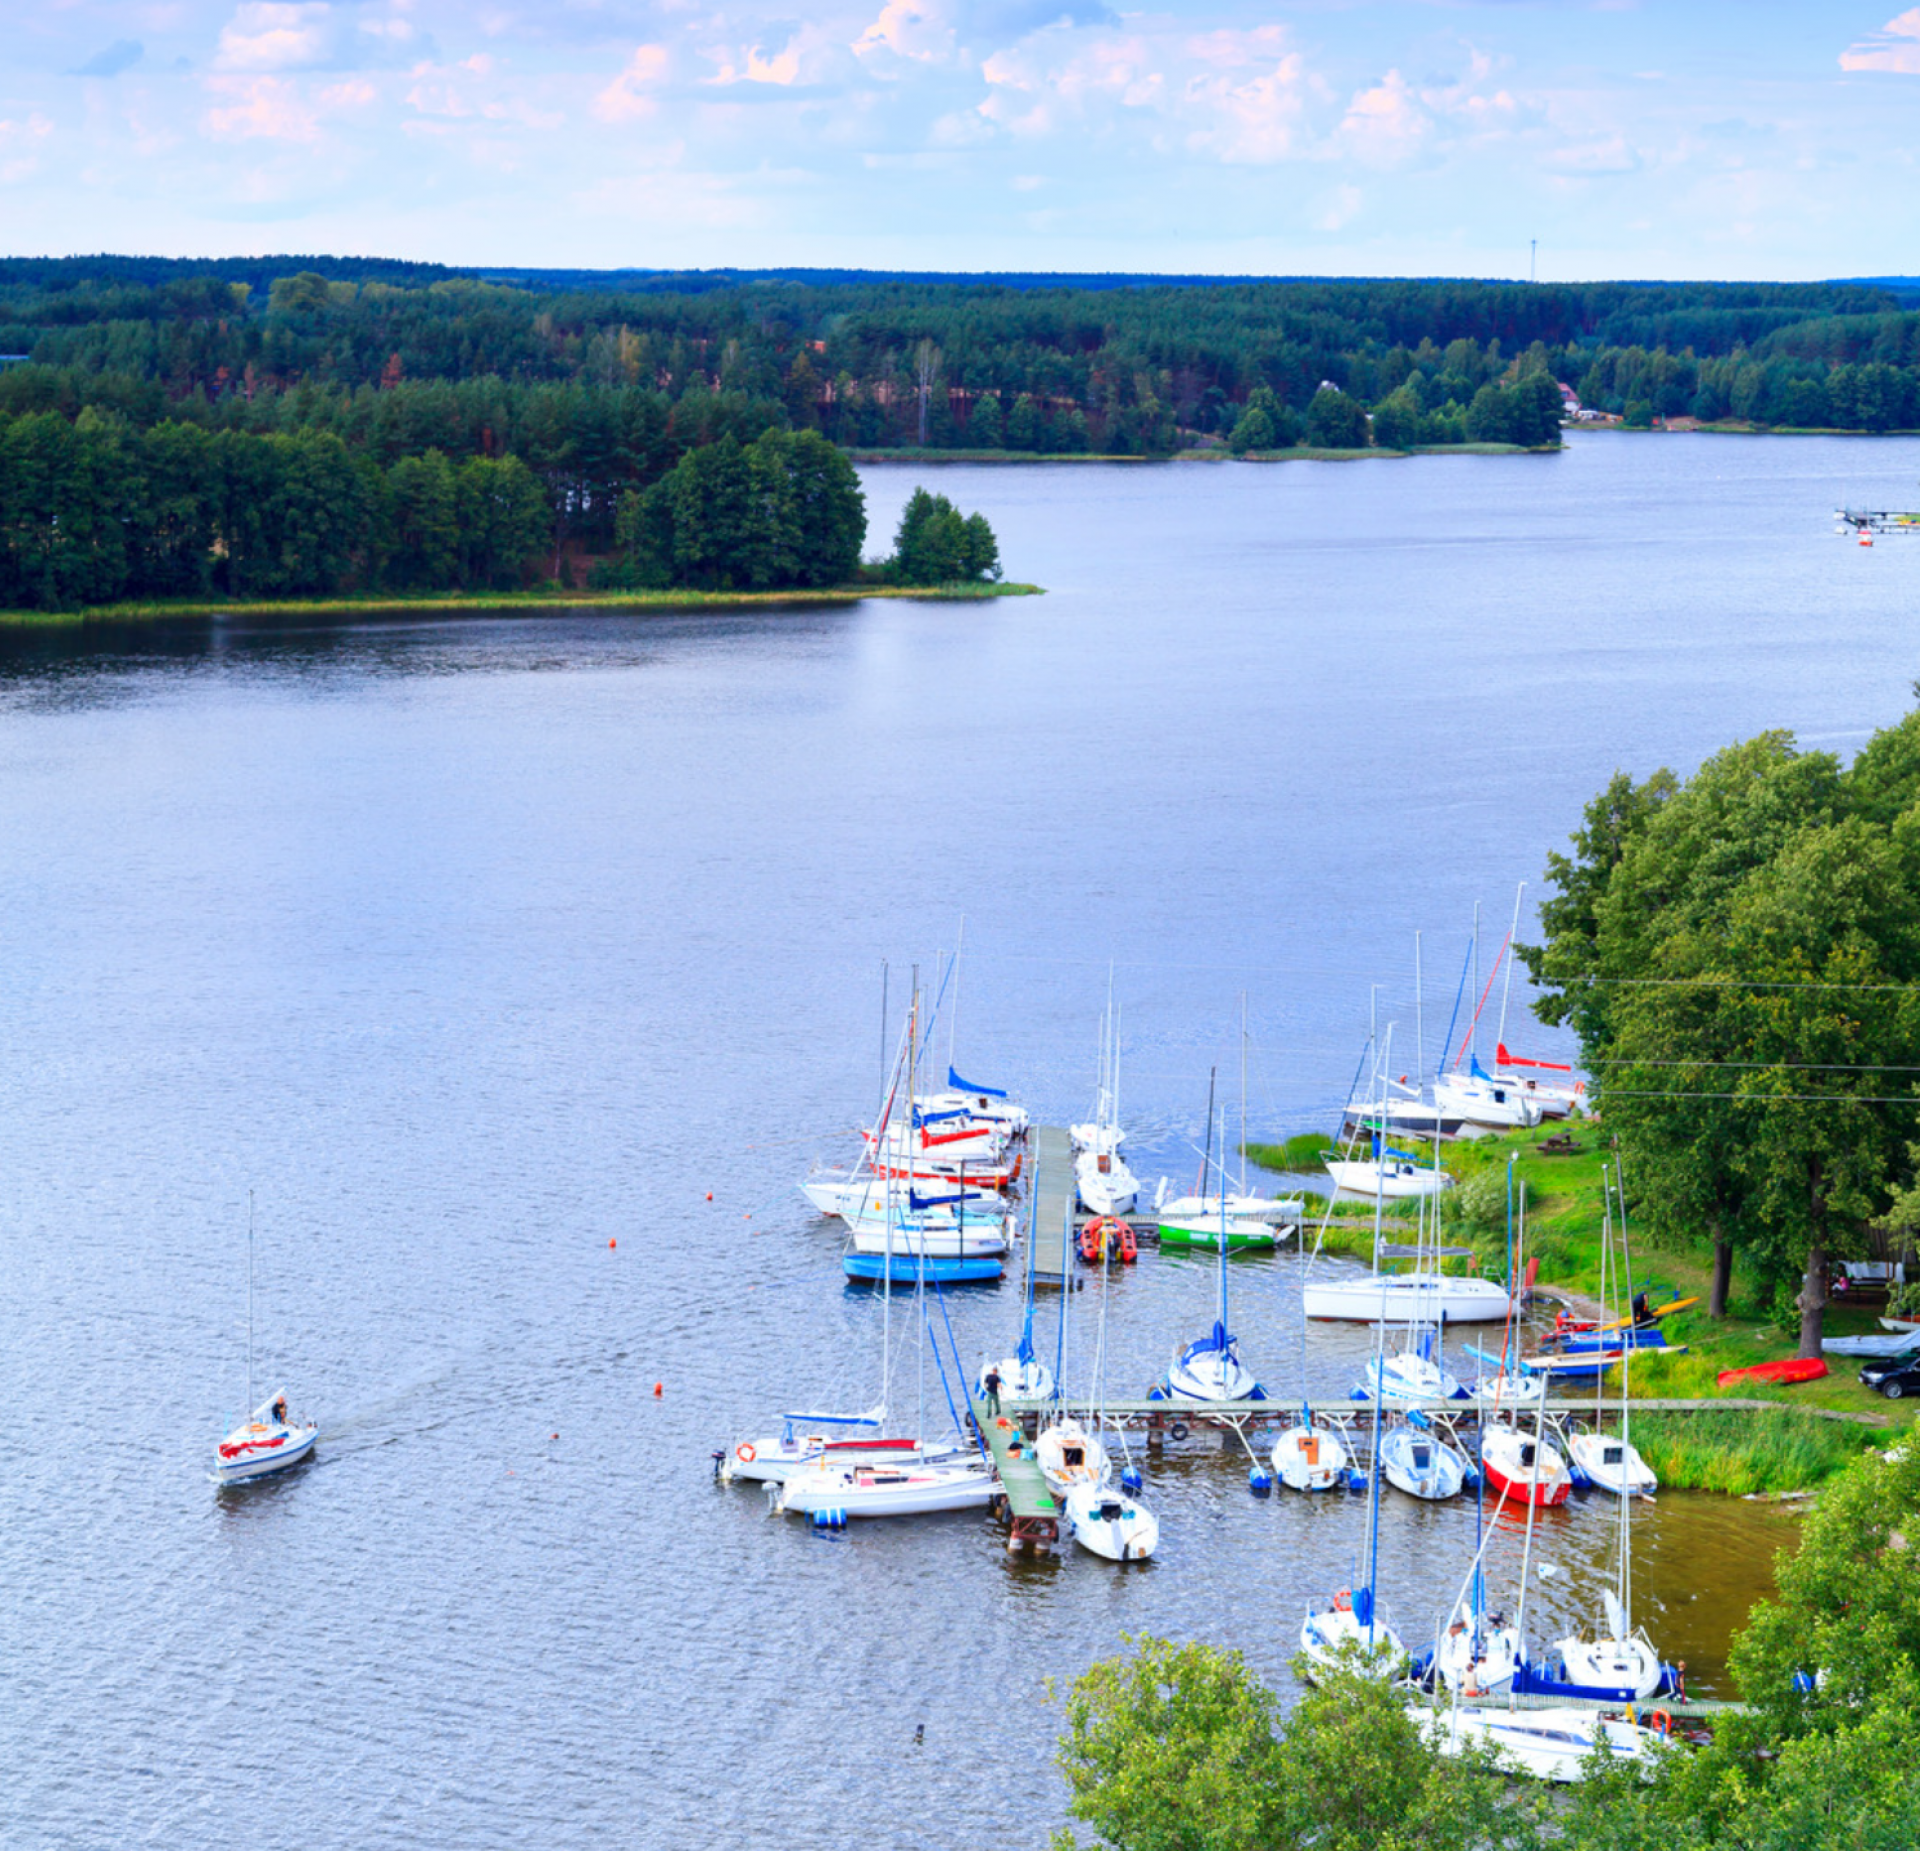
1744 1451
390 603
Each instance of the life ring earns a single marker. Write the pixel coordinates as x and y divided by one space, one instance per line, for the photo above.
1178 1430
1660 1722
744 1452
1343 1602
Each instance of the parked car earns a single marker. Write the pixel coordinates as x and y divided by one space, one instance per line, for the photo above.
1894 1377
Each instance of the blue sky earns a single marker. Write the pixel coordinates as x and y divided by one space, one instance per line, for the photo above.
1658 139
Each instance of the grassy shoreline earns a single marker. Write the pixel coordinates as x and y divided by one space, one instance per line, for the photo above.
160 610
1299 453
1741 1451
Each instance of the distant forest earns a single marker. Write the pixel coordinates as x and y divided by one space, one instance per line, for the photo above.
594 389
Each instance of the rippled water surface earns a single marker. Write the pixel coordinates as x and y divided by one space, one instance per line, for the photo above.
476 947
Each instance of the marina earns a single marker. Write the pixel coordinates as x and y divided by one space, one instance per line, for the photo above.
541 1013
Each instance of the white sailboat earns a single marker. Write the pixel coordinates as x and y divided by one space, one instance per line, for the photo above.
1105 1519
1545 1745
1310 1457
269 1439
1068 1455
838 1487
1417 1461
1209 1368
1104 1183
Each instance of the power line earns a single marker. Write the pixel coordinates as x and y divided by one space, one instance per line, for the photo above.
1785 1066
1912 1099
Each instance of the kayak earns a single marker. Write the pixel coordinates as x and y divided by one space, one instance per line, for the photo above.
1790 1369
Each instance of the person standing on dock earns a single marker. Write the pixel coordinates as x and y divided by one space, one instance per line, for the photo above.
991 1383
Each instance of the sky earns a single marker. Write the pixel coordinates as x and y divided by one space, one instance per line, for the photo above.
1667 138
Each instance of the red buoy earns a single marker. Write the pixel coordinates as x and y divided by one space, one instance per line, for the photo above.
709 1195
656 1391
613 1243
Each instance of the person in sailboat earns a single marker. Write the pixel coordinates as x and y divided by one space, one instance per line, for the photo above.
279 1409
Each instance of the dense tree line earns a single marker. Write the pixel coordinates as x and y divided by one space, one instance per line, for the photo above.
888 362
94 510
1739 953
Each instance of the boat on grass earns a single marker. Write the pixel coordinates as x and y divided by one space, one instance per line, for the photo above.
1785 1373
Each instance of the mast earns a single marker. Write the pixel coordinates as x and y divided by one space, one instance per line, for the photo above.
1507 987
1243 1110
1473 1027
1420 1033
1626 1410
953 1020
1533 1490
249 1304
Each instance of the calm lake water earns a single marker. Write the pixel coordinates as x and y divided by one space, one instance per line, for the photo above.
472 947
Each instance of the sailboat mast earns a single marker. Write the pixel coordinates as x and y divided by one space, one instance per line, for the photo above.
953 1020
1506 987
1473 1027
1420 1032
249 1304
1243 1108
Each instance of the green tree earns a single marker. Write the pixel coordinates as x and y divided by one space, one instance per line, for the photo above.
1023 424
986 429
1173 1749
937 545
830 509
423 509
1398 420
504 519
1254 431
1335 421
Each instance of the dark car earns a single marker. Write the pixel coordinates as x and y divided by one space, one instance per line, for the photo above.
1894 1377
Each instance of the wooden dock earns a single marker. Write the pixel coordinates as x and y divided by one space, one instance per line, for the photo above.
1054 1195
1029 1500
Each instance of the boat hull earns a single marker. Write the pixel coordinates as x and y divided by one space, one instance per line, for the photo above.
1547 1746
1310 1459
909 1269
1421 1466
882 1493
260 1458
1109 1525
1394 1182
1242 1236
1429 1298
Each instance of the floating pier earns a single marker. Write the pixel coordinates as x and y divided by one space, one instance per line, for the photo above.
1029 1499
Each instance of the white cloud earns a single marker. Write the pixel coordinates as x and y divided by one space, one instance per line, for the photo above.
910 30
629 95
260 108
1895 47
266 36
1386 123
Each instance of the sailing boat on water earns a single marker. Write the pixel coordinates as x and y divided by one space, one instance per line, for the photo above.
1246 1219
269 1439
1101 1177
1106 1519
1209 1368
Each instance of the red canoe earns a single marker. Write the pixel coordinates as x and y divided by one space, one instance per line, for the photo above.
1793 1369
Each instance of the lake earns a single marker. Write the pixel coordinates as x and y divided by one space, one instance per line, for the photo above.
473 947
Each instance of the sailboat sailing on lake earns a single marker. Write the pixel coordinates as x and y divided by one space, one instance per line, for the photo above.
269 1439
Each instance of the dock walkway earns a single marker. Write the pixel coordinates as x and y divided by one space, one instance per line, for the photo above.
1030 1501
1054 1193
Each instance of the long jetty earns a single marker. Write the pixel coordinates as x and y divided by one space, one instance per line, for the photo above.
1031 1507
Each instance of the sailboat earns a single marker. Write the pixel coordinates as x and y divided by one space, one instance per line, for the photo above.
836 1487
1414 1459
1105 1519
269 1439
1620 1664
1246 1219
1101 1177
1209 1368
1023 1376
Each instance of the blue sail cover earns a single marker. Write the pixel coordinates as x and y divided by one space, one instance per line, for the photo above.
966 1086
1531 1680
934 1118
1399 1156
919 1203
1363 1605
1476 1070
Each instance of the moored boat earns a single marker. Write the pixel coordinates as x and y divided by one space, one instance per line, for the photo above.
1522 1467
1310 1457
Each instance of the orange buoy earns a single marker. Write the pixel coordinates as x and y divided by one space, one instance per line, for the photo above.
656 1391
556 1436
613 1243
709 1195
